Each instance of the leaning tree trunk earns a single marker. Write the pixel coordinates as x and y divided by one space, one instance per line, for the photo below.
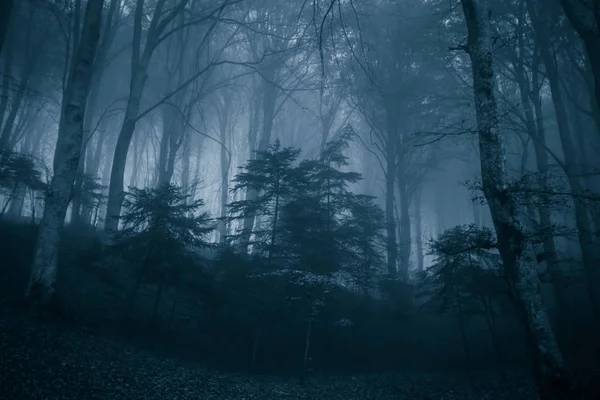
517 256
66 158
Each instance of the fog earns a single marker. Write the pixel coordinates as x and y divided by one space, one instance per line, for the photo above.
356 196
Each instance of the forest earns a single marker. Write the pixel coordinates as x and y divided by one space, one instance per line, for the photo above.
300 199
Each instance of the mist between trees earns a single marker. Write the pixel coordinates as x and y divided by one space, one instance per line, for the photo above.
309 187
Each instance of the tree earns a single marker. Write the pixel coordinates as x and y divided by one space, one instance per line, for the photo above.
465 278
66 158
161 231
271 175
79 211
584 16
517 257
164 23
5 11
277 39
394 80
17 171
572 165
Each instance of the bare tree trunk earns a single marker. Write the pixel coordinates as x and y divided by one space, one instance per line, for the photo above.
584 16
116 193
490 319
16 204
224 161
269 99
255 347
391 170
6 79
530 96
419 231
517 256
33 52
307 341
157 299
88 125
66 158
6 7
440 212
572 163
405 226
139 74
461 325
7 129
390 221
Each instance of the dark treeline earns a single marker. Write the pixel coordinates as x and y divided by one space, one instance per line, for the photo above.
305 188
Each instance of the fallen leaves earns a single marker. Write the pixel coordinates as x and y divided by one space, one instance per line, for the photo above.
48 361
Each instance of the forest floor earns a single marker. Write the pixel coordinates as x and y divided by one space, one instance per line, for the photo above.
49 360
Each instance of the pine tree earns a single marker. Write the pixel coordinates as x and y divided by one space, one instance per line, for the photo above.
161 230
271 174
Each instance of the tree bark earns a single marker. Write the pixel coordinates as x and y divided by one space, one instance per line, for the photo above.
66 158
517 257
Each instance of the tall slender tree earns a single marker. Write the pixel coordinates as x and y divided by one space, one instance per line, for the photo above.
517 256
66 157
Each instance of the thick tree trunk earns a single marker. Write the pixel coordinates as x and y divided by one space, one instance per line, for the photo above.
517 257
66 158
